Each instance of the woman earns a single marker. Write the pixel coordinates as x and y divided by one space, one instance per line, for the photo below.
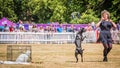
105 25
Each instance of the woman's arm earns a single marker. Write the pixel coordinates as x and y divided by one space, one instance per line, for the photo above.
114 25
98 24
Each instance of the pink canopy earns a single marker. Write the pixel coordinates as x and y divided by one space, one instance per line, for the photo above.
4 21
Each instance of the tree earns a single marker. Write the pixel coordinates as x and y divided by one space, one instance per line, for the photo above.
22 9
115 10
86 17
42 11
7 9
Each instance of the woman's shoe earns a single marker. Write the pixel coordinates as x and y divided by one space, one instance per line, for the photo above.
105 59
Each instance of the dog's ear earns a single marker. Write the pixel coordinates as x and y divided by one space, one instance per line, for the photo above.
79 31
83 30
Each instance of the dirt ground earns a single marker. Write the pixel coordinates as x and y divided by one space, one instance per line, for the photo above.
62 56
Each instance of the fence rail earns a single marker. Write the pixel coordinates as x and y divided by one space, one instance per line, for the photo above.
47 38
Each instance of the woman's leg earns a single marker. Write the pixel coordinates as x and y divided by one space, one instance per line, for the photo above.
109 47
105 52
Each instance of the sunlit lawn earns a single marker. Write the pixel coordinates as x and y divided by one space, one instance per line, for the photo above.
62 56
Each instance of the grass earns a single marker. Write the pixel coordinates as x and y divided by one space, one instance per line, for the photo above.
62 56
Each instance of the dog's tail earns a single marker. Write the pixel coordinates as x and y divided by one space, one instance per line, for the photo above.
80 51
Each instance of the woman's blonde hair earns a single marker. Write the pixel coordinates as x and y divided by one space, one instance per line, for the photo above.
105 11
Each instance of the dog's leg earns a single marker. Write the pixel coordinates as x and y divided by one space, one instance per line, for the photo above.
81 57
83 38
76 56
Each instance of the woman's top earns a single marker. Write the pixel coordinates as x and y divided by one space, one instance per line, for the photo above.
105 26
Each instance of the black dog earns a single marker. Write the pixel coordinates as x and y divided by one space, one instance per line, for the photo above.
78 40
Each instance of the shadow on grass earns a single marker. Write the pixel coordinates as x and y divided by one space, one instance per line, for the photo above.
83 61
93 61
71 61
38 62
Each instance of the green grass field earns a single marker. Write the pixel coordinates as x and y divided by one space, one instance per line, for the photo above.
62 56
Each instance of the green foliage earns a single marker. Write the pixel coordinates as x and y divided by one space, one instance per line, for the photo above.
59 11
75 21
42 11
115 10
7 9
86 17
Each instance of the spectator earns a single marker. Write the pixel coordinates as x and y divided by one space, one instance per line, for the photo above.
34 28
21 29
6 28
1 28
89 27
47 34
66 29
47 29
20 24
97 34
118 25
30 27
52 29
72 28
60 29
93 25
11 28
41 29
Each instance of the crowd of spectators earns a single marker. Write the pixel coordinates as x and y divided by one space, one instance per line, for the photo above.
60 28
34 28
51 28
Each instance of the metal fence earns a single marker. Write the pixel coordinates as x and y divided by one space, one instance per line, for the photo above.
13 52
48 38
